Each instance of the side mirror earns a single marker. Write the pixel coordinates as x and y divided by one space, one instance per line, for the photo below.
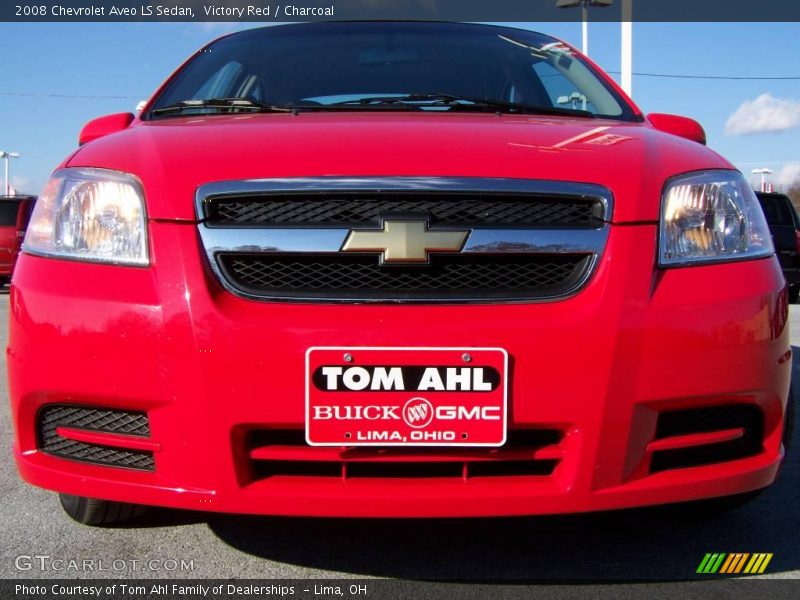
97 128
681 126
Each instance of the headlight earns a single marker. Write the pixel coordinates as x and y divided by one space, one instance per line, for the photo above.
711 216
90 214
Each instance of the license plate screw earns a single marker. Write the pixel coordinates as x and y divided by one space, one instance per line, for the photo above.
466 357
348 357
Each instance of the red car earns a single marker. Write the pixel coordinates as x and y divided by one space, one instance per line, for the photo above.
14 214
396 270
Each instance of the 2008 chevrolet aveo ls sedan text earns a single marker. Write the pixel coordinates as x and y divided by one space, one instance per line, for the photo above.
396 269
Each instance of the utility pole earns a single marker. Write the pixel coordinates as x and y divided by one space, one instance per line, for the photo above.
584 5
626 45
585 29
763 173
6 156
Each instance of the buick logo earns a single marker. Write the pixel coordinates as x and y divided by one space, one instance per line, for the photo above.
418 413
404 241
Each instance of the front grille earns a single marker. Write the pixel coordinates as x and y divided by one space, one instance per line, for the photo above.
282 239
284 453
705 420
442 209
354 276
100 420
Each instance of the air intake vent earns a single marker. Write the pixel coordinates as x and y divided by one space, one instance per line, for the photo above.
746 418
284 453
125 423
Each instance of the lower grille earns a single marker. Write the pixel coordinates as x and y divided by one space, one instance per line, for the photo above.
459 276
705 420
136 424
284 453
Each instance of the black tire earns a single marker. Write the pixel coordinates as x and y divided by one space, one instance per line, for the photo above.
91 511
794 293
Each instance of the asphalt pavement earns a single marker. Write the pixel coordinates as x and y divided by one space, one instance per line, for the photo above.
638 545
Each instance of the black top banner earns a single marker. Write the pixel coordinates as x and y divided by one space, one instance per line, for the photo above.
434 10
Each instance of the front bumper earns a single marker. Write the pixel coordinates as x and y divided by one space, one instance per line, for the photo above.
209 369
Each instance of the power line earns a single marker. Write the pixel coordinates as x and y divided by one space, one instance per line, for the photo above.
79 96
726 77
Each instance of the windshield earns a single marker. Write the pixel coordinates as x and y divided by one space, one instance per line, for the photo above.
408 66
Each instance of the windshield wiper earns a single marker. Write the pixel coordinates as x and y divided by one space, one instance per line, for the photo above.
401 102
229 104
465 103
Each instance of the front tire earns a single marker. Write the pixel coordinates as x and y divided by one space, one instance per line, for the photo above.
91 511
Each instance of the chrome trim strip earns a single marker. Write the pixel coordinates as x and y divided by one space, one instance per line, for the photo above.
253 240
537 241
264 240
270 239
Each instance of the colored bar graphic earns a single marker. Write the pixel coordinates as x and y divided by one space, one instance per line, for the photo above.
711 562
733 563
741 562
732 558
758 563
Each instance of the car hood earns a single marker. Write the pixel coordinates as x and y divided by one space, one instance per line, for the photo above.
172 157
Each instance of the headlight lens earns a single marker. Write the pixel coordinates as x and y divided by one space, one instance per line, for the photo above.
711 216
90 214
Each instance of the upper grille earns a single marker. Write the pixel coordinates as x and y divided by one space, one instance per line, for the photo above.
467 276
367 210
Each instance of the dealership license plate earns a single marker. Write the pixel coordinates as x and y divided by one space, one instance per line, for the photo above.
359 396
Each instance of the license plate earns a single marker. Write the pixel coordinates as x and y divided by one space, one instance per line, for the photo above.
358 396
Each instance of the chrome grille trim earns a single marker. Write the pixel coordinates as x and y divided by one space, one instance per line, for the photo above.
239 239
264 240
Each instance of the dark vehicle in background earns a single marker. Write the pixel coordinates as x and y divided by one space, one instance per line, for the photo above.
785 227
15 212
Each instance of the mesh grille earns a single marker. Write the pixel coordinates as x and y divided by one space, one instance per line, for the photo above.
462 276
702 420
111 421
102 420
454 209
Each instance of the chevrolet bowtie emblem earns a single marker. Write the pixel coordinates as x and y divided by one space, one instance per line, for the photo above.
404 241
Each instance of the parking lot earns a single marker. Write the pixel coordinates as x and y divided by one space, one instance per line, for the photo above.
639 545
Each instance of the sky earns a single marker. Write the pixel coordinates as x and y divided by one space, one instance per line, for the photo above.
753 123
